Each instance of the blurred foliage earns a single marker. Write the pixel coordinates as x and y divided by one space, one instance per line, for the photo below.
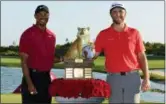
152 49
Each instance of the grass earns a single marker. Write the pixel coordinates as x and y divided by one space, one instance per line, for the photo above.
153 63
155 77
16 98
157 90
156 64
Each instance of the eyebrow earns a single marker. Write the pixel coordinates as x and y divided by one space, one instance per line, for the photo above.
45 14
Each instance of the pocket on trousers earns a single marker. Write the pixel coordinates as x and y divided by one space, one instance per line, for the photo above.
137 82
139 78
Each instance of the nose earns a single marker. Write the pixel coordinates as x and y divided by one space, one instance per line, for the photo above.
117 13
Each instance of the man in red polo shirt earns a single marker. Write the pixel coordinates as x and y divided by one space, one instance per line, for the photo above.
124 55
37 50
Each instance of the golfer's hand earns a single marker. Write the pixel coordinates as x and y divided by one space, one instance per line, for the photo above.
145 85
95 56
32 89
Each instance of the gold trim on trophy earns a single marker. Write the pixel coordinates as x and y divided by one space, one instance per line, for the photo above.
78 60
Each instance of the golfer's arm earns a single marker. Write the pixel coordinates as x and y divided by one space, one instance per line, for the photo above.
96 55
25 69
144 64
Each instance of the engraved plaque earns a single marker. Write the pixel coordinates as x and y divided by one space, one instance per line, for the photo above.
69 72
78 73
78 68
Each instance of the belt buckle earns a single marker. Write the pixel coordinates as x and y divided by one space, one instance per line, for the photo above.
33 70
123 73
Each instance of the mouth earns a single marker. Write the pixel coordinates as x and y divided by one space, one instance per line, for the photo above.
118 19
42 20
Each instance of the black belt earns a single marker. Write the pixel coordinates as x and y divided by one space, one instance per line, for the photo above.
123 73
37 71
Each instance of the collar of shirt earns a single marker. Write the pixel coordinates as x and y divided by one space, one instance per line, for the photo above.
43 32
125 28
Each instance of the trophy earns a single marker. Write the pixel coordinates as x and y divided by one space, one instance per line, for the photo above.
80 67
77 60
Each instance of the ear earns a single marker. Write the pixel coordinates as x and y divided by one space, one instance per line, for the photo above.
35 16
125 13
110 13
88 28
78 28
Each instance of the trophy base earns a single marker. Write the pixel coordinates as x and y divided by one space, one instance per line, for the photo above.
78 69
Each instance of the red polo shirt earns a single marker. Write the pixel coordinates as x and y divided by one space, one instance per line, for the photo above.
40 46
120 48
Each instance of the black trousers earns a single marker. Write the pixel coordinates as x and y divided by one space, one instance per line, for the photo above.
41 81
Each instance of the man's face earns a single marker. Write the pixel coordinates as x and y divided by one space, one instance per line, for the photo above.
118 15
42 18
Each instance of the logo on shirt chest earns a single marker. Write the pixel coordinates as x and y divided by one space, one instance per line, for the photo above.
49 36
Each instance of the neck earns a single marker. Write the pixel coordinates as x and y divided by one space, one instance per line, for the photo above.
119 27
41 27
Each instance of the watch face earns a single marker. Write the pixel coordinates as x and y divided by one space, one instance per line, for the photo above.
78 72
